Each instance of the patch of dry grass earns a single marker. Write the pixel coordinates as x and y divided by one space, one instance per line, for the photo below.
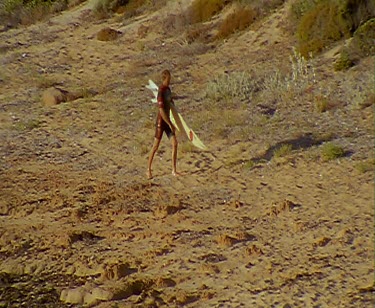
204 10
285 86
283 150
238 20
26 12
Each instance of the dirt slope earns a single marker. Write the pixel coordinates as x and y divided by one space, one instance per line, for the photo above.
242 227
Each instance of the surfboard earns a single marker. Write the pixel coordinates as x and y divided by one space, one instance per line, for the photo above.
177 119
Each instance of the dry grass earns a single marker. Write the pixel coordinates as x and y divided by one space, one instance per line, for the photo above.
366 166
241 85
128 9
283 151
238 20
204 10
321 103
18 12
284 86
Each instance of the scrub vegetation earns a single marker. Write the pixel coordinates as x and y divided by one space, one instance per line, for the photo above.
320 23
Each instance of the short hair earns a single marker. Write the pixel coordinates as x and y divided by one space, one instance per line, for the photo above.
165 74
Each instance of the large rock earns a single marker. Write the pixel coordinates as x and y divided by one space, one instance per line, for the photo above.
107 34
54 96
87 295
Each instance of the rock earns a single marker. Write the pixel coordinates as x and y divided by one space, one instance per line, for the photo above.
4 208
73 296
142 31
12 267
96 295
90 294
108 34
53 96
163 211
115 271
82 270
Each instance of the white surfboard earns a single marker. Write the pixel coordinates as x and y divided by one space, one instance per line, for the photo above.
177 119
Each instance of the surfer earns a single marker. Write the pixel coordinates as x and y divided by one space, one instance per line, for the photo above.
163 123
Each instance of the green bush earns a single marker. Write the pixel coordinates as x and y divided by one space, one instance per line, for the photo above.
344 61
331 151
364 37
319 23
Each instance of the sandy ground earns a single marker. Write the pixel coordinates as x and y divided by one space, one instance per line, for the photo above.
81 225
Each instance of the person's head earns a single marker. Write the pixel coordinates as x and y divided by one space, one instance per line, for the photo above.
166 77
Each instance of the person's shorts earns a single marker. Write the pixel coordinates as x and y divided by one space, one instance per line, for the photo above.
162 126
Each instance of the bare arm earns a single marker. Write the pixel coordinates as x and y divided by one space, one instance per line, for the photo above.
166 118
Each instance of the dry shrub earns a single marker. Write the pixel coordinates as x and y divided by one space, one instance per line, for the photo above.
321 103
26 12
283 86
240 85
319 27
129 8
204 10
238 20
194 33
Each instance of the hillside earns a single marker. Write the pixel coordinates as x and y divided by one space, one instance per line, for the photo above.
278 212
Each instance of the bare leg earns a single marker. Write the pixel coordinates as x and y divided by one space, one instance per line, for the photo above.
174 156
151 157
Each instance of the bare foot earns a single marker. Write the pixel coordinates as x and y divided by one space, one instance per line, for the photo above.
149 174
175 173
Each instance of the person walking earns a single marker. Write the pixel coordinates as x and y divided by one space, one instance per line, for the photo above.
164 124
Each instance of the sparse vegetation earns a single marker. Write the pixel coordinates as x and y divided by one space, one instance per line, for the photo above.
321 103
366 166
344 61
331 151
283 150
250 164
27 125
285 86
128 8
203 10
241 85
25 12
